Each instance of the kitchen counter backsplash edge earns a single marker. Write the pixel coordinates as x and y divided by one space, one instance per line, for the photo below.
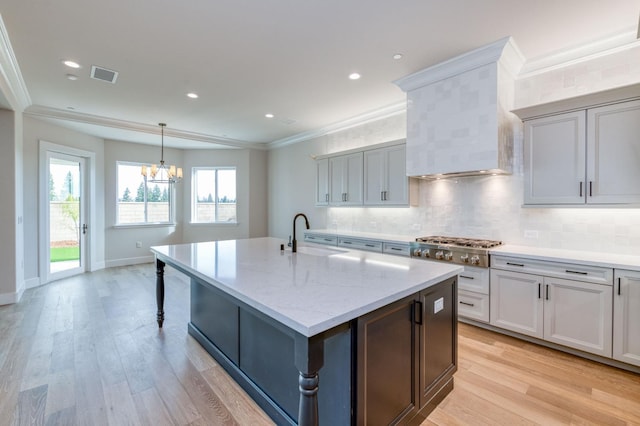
579 257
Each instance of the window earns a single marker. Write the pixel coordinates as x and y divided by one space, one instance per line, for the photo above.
140 201
213 195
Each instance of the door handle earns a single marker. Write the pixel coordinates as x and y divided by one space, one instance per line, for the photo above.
84 228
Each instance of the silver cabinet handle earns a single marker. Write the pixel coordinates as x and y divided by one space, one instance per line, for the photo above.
581 188
395 248
568 271
468 304
539 291
547 291
619 279
515 264
469 278
590 189
381 195
326 197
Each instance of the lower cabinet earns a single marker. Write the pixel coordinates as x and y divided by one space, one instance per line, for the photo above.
577 314
626 317
406 356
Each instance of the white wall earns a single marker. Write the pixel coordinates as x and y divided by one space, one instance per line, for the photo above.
34 131
11 279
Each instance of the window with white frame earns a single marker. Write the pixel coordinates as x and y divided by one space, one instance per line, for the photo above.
213 195
140 201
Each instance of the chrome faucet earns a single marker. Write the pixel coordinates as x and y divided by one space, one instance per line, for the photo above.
294 243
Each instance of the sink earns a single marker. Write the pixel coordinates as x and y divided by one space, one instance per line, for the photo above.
319 251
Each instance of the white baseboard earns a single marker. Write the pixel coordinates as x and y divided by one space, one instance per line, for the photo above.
32 283
129 261
12 297
96 266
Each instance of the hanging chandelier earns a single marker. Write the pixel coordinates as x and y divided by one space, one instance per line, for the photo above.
162 173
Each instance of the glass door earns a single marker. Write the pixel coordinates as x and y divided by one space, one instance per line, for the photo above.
65 225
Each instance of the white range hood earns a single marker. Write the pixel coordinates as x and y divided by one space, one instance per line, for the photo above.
458 113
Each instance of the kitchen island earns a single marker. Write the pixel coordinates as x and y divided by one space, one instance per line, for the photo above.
324 335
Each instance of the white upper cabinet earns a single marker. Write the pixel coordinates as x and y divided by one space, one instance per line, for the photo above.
322 182
554 159
385 179
345 180
626 317
589 156
613 153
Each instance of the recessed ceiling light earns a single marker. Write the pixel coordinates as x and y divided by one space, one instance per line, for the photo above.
269 115
72 77
71 64
192 95
397 56
354 76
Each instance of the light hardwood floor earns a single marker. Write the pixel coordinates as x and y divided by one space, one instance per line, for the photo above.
87 351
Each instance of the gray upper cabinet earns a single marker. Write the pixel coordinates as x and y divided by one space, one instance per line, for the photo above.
345 180
613 153
322 182
385 177
589 156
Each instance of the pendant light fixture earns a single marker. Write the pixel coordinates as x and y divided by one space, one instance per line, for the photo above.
162 173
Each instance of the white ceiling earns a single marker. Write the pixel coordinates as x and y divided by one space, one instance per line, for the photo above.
246 58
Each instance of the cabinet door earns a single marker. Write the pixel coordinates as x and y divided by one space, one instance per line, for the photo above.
438 338
626 317
397 182
354 174
387 365
516 302
322 182
578 314
554 159
346 176
374 176
613 154
385 177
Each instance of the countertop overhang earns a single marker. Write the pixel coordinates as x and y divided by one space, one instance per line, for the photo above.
308 292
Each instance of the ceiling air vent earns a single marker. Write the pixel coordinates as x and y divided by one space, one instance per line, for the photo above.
104 74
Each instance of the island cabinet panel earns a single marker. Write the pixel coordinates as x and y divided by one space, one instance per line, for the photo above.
406 357
387 364
438 341
216 315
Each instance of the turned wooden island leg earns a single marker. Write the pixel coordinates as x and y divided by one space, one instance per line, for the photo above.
160 291
309 358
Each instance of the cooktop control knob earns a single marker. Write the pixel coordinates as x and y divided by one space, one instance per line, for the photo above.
464 258
448 256
426 253
417 252
475 260
439 255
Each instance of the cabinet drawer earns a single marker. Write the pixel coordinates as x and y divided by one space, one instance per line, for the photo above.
473 305
369 245
474 279
395 248
569 271
331 240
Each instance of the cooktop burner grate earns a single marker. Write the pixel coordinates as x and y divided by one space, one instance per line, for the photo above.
460 242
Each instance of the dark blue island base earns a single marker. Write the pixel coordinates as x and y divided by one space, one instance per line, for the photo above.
390 366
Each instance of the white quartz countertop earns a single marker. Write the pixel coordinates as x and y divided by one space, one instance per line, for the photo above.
310 291
607 260
363 235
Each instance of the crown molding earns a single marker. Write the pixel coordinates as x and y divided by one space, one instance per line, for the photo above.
368 117
12 85
74 116
583 53
504 50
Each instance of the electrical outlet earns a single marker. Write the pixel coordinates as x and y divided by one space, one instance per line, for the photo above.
139 244
530 234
